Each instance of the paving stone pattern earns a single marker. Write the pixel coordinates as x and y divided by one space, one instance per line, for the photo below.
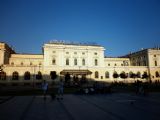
120 106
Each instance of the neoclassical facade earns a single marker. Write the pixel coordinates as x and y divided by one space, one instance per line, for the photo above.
81 61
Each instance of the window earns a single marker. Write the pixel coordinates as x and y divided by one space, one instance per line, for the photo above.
157 74
40 63
106 74
2 75
53 75
12 63
95 53
96 74
138 75
83 62
39 76
123 75
27 75
144 63
53 51
108 64
67 61
95 62
53 61
21 63
131 74
154 55
15 75
155 62
115 74
75 61
83 53
75 53
67 52
31 63
115 64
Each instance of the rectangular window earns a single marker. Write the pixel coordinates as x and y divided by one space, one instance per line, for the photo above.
83 62
67 61
53 61
155 63
75 61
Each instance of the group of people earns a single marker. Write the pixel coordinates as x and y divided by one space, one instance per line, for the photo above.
59 90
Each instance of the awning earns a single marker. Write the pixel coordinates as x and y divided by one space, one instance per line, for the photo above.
76 72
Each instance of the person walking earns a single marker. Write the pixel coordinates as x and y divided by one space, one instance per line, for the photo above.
45 89
60 90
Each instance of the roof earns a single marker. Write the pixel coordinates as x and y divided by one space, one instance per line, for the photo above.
62 42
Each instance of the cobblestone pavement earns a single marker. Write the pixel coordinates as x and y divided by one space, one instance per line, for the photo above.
118 106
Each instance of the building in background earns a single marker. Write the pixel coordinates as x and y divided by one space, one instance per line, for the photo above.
75 61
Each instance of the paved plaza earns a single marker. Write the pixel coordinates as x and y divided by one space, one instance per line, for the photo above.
117 106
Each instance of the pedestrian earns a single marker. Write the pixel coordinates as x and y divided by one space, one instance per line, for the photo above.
45 89
60 90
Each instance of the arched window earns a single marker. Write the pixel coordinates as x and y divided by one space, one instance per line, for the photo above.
123 75
96 74
145 75
15 75
155 62
130 74
115 74
157 74
2 75
67 61
27 75
106 74
75 61
53 61
95 62
138 74
39 76
83 62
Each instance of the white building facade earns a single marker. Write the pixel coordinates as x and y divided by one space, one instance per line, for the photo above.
81 61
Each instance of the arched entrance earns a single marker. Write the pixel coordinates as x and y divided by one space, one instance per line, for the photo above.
77 76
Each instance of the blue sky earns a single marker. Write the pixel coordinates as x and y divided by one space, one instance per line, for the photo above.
120 26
